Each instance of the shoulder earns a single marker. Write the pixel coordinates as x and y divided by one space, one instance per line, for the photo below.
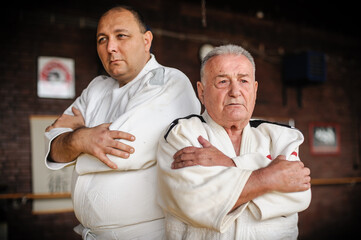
101 83
169 71
275 130
257 123
189 122
102 80
98 88
174 73
175 82
161 76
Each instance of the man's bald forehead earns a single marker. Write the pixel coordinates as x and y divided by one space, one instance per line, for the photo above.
137 16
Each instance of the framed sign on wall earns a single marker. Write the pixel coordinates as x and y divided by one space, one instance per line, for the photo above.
44 180
324 138
56 77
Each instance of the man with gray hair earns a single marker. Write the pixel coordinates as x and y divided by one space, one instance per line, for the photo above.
224 176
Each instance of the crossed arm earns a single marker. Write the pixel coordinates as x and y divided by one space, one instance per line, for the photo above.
97 141
280 175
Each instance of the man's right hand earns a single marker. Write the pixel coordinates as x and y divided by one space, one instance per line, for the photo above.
97 141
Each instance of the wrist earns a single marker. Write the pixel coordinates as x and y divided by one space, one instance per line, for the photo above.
231 163
261 178
75 140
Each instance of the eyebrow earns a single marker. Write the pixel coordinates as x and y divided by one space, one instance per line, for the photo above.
118 30
227 75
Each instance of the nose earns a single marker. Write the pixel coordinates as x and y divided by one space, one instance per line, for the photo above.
112 46
234 89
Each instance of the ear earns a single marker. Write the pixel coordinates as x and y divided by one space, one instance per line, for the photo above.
200 90
255 88
148 38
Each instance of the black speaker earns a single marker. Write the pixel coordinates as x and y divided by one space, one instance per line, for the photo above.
304 68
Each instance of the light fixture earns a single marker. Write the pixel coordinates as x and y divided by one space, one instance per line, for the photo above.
205 48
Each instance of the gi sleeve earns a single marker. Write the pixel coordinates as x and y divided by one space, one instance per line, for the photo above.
197 195
277 204
165 96
284 141
80 104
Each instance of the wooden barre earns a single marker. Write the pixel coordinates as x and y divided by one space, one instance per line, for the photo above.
35 195
335 181
316 181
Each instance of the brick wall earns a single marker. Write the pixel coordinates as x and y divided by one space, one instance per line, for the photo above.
178 35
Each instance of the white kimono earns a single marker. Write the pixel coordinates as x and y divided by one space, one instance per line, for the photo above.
197 200
122 204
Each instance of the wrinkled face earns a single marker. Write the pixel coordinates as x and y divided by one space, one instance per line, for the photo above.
229 90
122 47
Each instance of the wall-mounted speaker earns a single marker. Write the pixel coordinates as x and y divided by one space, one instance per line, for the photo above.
304 68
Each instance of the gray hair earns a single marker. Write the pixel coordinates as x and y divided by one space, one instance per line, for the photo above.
224 50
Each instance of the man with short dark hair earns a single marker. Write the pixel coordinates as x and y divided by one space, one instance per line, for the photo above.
111 132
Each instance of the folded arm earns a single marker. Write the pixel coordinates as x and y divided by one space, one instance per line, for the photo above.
280 188
153 103
279 176
199 196
97 141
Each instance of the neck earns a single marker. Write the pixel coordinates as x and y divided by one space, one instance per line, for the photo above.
235 134
130 76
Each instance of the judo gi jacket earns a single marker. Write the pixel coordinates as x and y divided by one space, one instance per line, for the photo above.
197 200
121 204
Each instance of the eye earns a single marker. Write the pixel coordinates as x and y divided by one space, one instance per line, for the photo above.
120 36
101 40
222 83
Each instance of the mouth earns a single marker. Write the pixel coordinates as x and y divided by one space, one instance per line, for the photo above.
234 104
114 61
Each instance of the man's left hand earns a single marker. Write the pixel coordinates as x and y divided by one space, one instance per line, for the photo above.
208 155
68 121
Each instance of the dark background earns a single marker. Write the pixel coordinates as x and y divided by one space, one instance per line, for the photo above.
67 29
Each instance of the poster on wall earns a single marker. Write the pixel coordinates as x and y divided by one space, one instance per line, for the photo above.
56 77
324 138
44 180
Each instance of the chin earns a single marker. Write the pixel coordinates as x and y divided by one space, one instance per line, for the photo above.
236 117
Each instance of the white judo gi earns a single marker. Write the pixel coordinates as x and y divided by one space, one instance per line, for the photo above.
197 200
121 204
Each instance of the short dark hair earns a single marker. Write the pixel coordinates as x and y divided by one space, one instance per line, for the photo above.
137 15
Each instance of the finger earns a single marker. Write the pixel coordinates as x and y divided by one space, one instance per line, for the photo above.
185 157
306 186
281 157
301 163
182 164
177 154
123 147
75 111
117 153
107 162
105 125
204 142
49 128
307 171
184 150
122 135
